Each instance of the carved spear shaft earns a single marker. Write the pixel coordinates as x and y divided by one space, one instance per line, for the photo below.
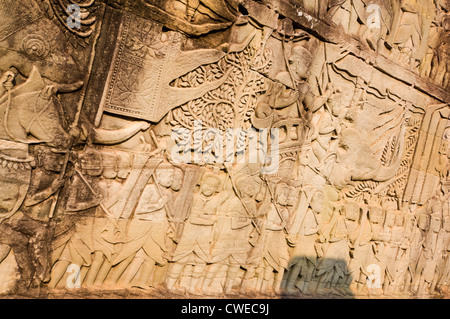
75 122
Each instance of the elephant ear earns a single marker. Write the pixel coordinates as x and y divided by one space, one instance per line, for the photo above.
76 17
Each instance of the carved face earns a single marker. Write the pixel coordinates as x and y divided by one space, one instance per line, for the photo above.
293 196
390 219
209 186
399 219
282 194
318 202
447 223
423 222
300 62
435 223
375 215
177 179
352 211
245 188
165 177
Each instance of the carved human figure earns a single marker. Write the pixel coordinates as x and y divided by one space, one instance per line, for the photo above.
377 24
350 14
275 256
289 94
418 236
334 254
194 245
30 115
232 234
376 219
326 124
360 248
104 223
410 27
426 264
440 70
303 258
402 278
444 281
395 254
144 256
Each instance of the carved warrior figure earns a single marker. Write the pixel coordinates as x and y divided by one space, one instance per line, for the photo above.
275 255
333 252
331 221
303 260
30 116
232 232
194 245
143 257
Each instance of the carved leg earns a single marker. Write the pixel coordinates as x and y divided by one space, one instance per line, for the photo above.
194 287
268 277
159 274
103 273
209 277
173 276
145 274
131 272
118 270
292 277
59 269
19 243
277 278
95 266
40 240
231 277
249 280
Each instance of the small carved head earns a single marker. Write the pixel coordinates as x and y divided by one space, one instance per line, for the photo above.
352 210
300 62
424 221
293 196
209 184
375 215
447 223
244 187
282 193
399 218
109 165
124 165
317 202
165 175
436 222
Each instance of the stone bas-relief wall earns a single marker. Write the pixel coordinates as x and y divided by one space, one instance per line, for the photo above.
225 148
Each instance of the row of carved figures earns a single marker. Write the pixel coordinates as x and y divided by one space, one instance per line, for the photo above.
413 33
246 235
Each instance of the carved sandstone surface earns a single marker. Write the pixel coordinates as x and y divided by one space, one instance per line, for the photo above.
209 148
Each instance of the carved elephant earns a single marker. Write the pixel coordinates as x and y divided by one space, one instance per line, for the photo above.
355 161
28 38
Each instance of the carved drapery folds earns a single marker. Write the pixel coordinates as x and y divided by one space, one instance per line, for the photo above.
224 148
